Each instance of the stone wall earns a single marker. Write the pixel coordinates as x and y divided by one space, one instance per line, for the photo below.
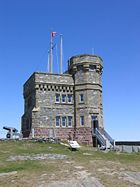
46 117
48 78
60 133
82 135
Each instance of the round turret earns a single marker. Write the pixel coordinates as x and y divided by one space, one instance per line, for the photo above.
85 62
86 71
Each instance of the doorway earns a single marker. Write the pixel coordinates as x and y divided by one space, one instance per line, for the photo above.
94 125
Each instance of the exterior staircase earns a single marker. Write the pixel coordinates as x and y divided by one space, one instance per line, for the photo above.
104 139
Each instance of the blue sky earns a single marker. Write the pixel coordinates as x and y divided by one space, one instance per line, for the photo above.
110 27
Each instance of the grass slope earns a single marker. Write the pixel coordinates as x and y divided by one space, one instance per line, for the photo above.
92 160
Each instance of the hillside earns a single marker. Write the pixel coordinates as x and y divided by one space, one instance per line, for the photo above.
37 164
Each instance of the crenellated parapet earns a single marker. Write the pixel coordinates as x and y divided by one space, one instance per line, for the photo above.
85 62
48 82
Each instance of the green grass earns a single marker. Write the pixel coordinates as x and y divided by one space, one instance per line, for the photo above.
8 148
28 165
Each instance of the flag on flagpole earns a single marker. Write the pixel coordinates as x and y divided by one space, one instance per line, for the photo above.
53 34
51 51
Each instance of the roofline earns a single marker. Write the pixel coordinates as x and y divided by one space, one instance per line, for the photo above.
57 74
46 73
83 55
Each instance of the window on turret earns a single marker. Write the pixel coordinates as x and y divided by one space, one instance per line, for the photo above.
81 98
92 67
80 67
81 120
57 98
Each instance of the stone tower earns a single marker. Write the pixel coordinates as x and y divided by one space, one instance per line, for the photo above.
87 71
59 104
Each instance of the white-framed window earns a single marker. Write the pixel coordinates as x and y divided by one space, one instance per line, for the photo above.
64 121
57 122
82 120
63 98
81 98
69 98
57 98
69 121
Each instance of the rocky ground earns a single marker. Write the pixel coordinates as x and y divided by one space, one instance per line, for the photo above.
31 164
71 174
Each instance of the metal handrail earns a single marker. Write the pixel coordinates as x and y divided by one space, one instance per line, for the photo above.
111 140
100 137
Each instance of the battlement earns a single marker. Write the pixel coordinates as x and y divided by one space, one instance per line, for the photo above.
85 62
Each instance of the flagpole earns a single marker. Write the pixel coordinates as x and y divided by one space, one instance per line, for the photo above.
48 60
61 54
51 56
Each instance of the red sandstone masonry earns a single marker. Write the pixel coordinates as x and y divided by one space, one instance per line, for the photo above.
82 135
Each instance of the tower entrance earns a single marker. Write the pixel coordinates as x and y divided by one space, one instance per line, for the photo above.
94 125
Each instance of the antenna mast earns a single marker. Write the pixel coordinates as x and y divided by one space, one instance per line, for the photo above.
61 54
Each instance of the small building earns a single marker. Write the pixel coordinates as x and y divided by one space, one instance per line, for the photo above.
60 105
